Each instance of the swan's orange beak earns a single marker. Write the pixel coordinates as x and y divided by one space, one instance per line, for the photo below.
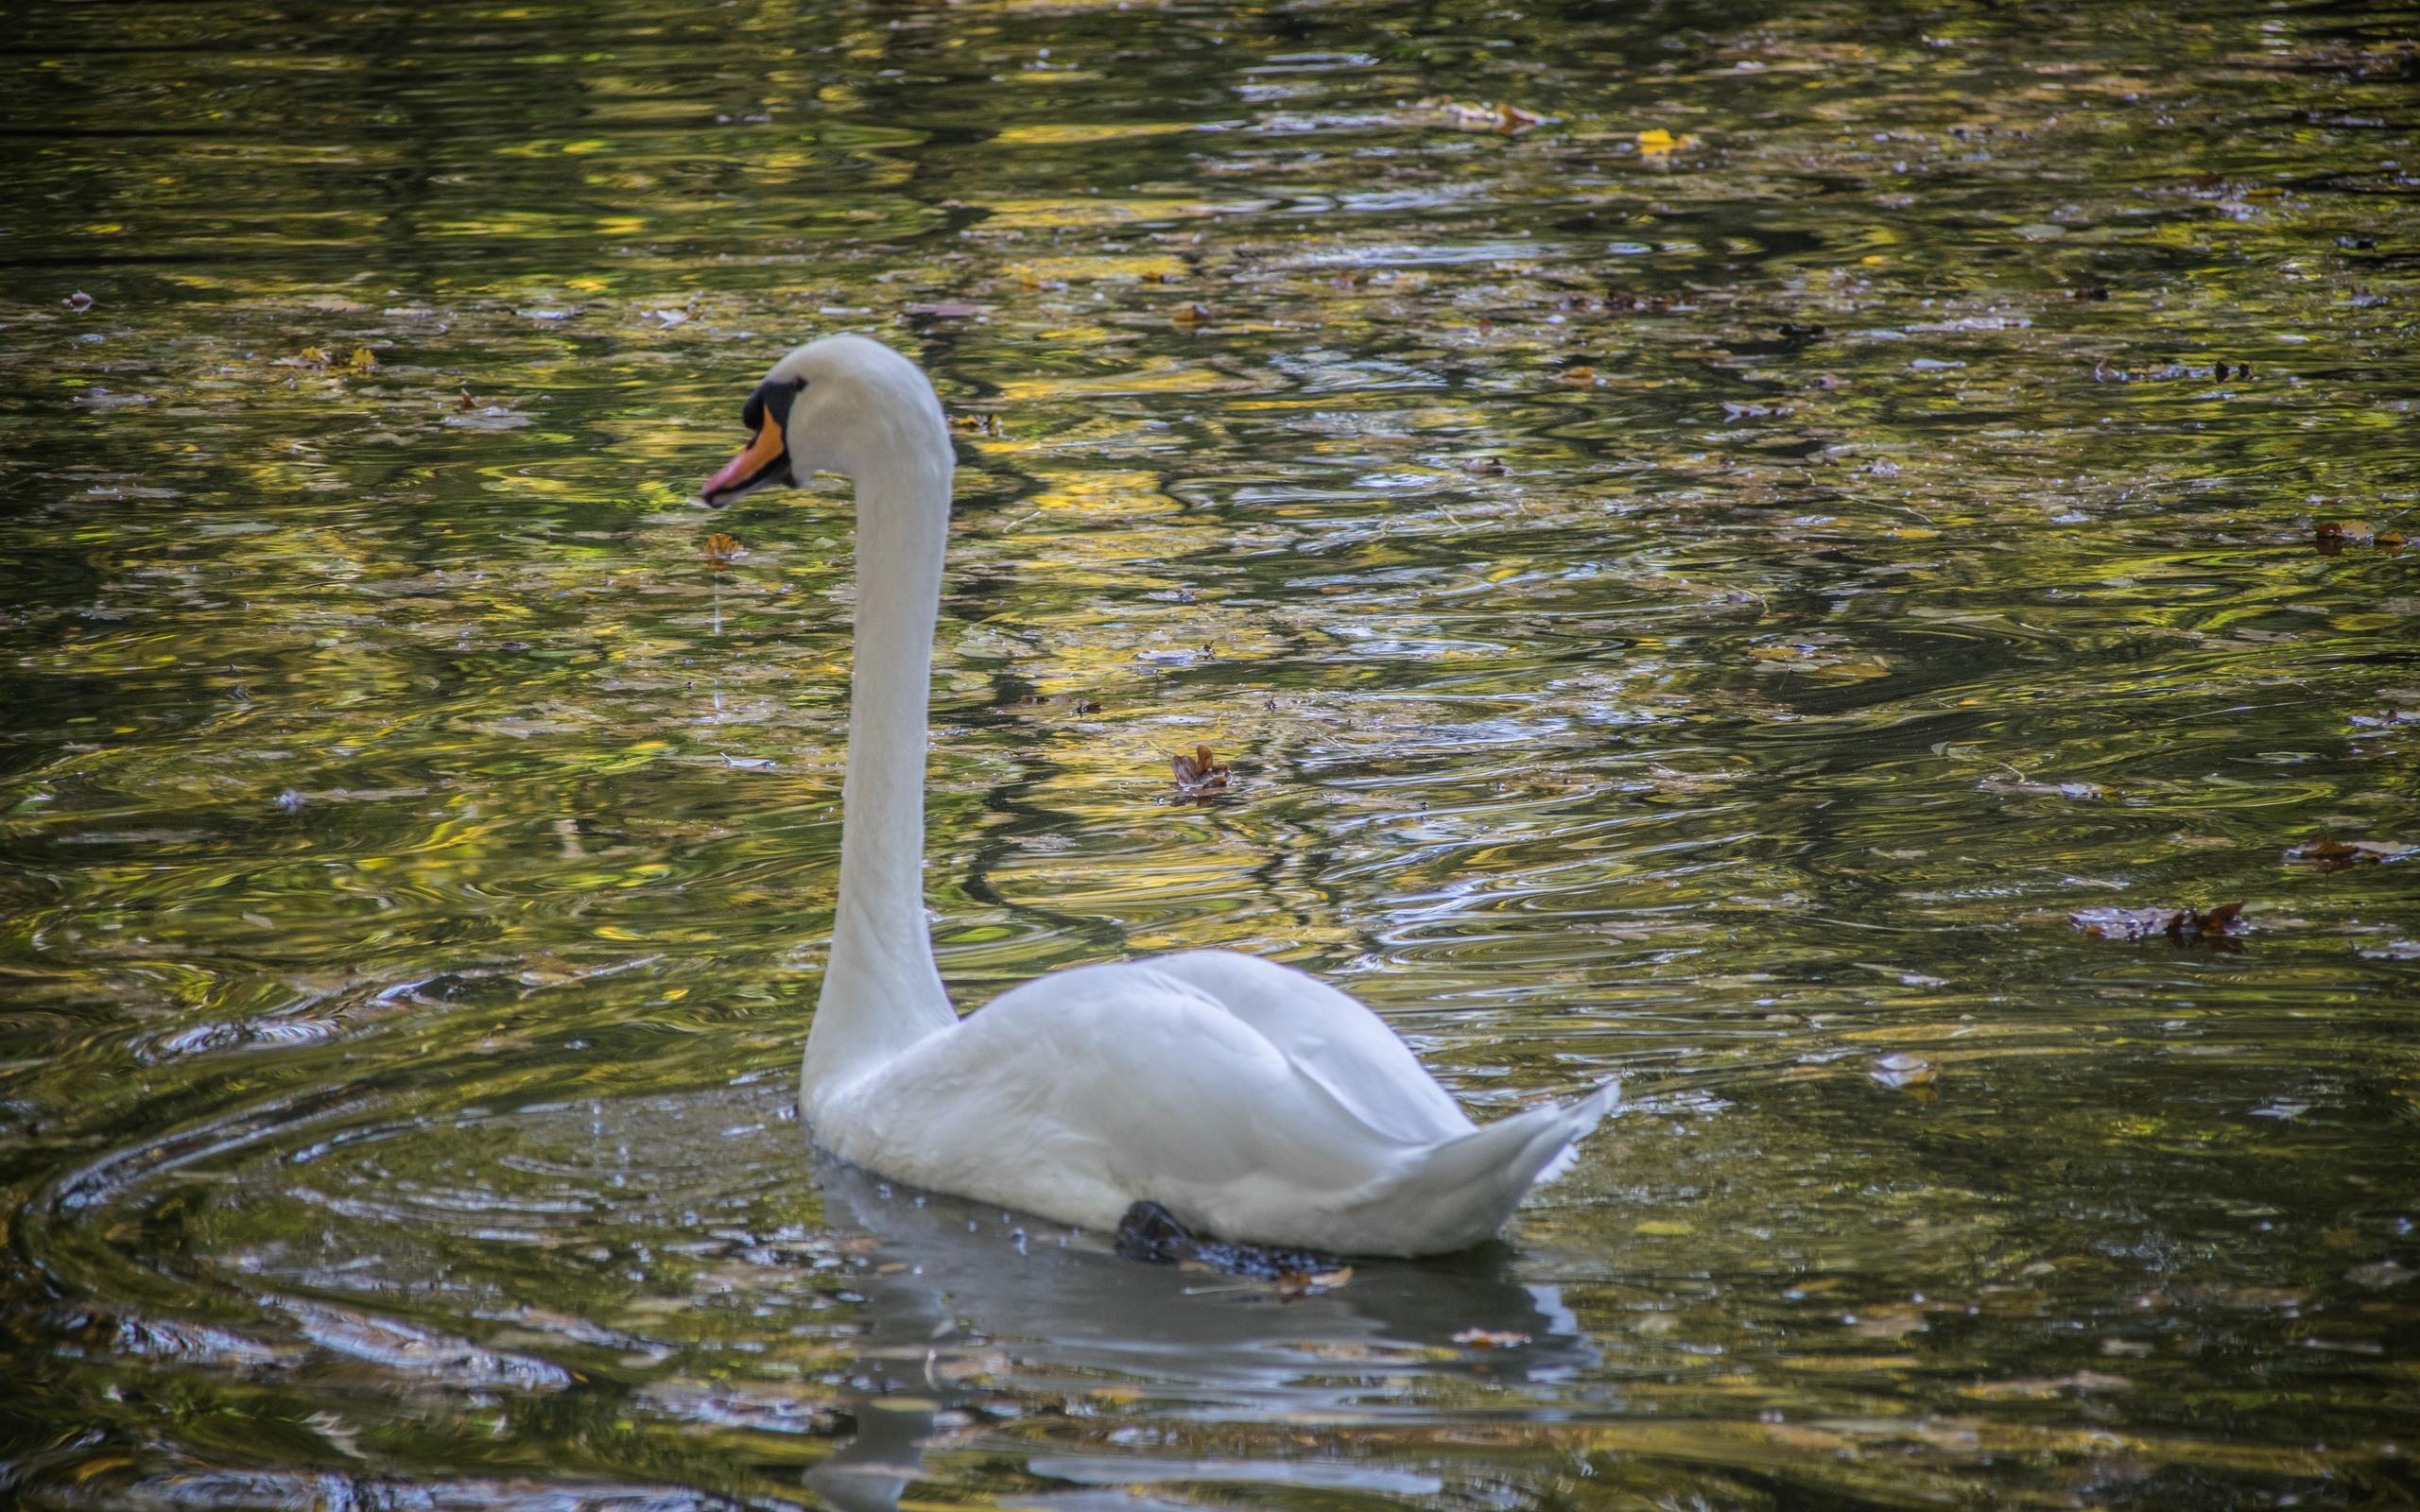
766 457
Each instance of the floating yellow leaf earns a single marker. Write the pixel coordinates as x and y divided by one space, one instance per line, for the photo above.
1161 268
1061 136
1655 143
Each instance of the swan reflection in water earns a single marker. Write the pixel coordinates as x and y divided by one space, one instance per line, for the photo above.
956 1291
364 1259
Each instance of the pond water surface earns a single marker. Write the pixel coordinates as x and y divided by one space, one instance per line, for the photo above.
1701 585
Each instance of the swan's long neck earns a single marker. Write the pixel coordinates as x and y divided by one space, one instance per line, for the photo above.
881 992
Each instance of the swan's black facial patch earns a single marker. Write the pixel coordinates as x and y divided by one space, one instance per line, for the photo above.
776 395
767 456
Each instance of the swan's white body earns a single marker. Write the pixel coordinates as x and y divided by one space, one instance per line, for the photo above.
1255 1103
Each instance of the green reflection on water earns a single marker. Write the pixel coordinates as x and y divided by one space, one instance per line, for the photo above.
1706 606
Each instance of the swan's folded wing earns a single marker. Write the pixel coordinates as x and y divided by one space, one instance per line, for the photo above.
1332 1038
1081 1093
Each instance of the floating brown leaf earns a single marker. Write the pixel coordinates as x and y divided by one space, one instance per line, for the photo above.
468 404
2212 924
1583 375
1198 775
2330 854
2333 535
721 550
1188 316
2214 927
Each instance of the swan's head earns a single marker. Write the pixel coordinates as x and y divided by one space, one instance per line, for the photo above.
840 404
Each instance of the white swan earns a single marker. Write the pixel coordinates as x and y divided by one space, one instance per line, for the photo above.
1254 1102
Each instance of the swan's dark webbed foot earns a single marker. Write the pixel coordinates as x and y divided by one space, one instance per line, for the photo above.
1150 1233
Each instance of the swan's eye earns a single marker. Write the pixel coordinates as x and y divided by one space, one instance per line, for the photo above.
772 396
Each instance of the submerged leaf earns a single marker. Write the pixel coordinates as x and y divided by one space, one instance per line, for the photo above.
1903 1069
1463 115
2380 1273
1891 1320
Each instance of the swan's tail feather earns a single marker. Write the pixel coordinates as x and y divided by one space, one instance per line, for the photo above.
1464 1190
